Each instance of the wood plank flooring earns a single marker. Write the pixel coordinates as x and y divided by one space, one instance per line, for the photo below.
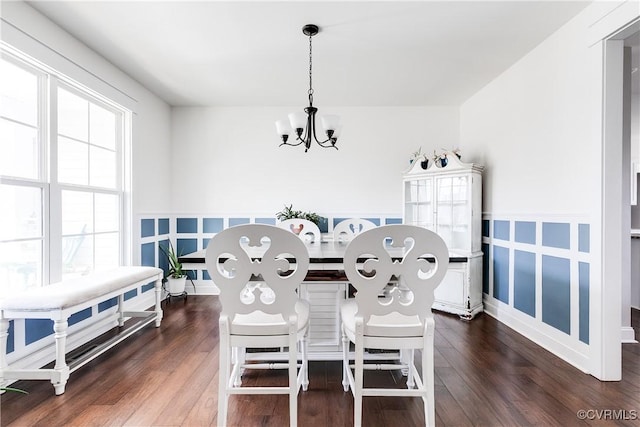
486 375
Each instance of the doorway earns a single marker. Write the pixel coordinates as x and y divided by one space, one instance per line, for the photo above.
632 91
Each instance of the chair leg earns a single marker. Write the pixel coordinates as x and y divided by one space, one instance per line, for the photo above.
239 358
293 380
345 361
359 383
412 368
305 363
223 378
428 382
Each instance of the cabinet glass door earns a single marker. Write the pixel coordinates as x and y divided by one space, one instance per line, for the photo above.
453 211
418 206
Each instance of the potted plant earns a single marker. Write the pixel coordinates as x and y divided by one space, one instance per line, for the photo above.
176 277
288 213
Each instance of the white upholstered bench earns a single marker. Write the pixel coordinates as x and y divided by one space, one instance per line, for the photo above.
60 300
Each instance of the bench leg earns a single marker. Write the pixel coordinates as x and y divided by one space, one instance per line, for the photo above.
121 310
4 334
158 308
61 374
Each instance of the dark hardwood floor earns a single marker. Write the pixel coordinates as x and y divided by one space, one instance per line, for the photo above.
486 375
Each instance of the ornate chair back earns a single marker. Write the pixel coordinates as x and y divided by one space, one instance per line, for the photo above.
307 231
347 229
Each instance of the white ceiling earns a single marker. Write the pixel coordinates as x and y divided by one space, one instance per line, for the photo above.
368 53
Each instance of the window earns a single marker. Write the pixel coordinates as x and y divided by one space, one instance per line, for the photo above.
61 173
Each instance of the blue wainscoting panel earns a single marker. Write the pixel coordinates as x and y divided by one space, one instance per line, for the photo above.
238 221
501 273
79 316
205 275
486 262
11 346
187 225
212 225
163 263
583 301
556 235
148 254
186 246
130 294
501 229
205 242
584 238
268 221
36 329
524 282
486 224
163 226
556 295
147 227
105 305
525 232
147 287
389 221
323 225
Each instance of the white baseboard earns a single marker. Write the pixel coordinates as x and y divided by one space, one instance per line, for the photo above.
628 335
202 287
534 330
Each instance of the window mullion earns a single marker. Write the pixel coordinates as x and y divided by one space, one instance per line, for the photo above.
55 191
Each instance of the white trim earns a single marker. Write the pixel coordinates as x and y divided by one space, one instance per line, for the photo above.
607 305
34 47
628 335
575 353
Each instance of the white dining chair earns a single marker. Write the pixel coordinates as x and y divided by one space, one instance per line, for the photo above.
400 321
260 307
307 230
347 229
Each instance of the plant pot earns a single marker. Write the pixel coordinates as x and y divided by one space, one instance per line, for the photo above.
176 285
424 164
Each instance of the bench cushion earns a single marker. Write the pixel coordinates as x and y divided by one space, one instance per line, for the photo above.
71 292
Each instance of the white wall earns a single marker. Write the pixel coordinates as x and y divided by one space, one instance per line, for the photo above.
536 129
228 159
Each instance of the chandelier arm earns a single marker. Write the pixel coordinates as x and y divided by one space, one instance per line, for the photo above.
322 143
290 144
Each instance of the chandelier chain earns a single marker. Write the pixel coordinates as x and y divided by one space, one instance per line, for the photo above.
310 72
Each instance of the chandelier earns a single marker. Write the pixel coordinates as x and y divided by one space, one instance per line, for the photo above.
304 124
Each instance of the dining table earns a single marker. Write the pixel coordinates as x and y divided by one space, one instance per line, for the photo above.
325 287
324 256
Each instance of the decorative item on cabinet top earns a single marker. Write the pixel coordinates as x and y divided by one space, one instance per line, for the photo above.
439 159
419 157
444 159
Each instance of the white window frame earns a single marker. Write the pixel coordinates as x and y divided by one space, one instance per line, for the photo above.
49 80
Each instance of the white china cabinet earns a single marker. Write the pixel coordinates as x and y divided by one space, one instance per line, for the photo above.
448 200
